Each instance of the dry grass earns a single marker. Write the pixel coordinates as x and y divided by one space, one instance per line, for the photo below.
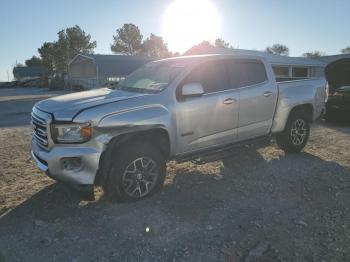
219 211
19 177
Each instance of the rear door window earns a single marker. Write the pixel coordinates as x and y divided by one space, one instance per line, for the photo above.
251 72
212 75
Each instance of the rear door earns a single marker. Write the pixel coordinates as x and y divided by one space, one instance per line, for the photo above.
211 119
258 98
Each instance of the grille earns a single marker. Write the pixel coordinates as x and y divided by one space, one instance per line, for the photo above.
40 123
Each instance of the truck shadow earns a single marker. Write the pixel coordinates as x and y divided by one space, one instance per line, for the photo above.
246 188
340 122
191 185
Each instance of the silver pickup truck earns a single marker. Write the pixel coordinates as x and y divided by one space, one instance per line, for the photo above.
182 109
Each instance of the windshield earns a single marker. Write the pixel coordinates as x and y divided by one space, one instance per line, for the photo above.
151 78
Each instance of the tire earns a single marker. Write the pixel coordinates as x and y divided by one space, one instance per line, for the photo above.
137 172
296 133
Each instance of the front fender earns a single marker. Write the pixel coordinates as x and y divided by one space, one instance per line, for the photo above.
137 117
130 121
135 120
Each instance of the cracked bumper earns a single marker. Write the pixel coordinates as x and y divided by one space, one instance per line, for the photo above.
75 165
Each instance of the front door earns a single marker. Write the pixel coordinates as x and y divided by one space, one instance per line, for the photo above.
211 119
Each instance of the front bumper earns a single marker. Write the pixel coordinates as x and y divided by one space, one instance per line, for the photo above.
75 165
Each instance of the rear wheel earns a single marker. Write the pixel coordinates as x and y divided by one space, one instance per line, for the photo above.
296 133
138 172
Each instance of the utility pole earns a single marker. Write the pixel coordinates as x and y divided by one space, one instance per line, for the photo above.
8 76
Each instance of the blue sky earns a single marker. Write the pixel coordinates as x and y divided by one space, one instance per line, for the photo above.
250 24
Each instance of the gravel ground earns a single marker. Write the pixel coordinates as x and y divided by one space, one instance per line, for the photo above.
259 205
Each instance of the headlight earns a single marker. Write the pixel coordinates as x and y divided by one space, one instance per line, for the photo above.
72 133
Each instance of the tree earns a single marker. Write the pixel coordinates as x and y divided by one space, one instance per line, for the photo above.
219 42
155 46
278 49
47 54
314 54
77 41
34 61
346 50
128 40
71 41
199 49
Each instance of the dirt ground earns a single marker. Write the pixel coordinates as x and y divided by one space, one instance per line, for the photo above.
259 205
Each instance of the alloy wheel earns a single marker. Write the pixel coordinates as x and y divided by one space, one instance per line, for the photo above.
140 177
298 132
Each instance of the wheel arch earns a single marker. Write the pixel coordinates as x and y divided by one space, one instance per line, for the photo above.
294 137
283 114
306 109
157 136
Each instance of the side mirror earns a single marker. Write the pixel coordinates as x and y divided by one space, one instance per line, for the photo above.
192 89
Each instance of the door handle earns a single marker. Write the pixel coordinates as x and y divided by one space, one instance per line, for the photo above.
229 101
267 94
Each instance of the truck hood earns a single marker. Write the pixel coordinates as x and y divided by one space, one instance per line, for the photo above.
338 73
66 107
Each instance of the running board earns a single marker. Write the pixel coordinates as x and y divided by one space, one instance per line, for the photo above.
212 155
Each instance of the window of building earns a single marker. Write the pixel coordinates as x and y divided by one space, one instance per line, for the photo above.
300 72
281 71
316 72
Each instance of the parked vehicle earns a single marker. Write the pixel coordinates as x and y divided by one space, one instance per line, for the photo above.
338 101
181 108
338 77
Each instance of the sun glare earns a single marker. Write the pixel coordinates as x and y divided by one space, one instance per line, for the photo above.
189 22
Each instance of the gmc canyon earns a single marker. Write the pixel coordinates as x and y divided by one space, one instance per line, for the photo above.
184 108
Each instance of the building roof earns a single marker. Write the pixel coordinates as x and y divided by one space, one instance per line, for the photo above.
272 58
332 58
115 65
20 72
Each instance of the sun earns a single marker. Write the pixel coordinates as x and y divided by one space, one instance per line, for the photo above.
189 22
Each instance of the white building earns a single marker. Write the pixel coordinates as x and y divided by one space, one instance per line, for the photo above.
285 67
332 58
93 71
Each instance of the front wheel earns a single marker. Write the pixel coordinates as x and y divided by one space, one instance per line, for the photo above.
296 133
138 172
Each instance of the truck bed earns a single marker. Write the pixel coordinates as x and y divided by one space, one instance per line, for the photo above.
292 93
